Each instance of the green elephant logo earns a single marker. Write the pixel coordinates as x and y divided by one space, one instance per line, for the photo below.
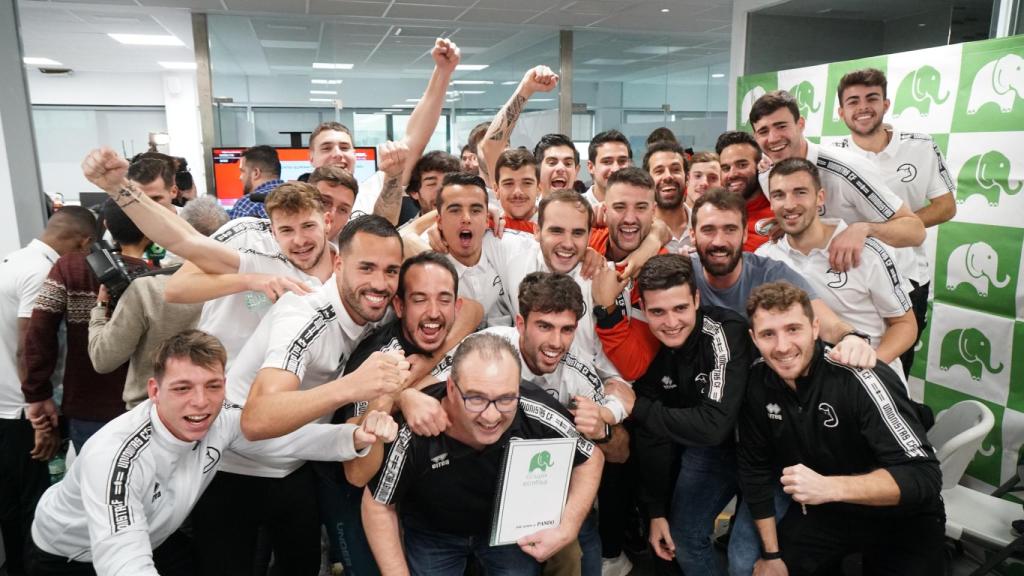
918 90
541 461
987 175
1000 81
976 264
970 348
804 95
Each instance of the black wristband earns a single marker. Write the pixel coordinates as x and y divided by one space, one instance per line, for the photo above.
607 436
777 555
856 333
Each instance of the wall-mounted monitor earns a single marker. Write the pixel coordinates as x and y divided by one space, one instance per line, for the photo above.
294 163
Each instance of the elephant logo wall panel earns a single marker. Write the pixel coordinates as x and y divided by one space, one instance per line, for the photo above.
752 88
970 99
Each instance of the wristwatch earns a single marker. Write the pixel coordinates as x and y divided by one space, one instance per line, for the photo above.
777 555
607 435
856 333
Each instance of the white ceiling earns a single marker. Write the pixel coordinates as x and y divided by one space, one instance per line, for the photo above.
614 39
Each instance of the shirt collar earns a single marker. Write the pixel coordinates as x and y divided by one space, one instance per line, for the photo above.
349 327
45 249
163 436
266 187
812 151
837 222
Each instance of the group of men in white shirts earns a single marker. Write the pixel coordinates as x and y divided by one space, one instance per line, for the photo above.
325 320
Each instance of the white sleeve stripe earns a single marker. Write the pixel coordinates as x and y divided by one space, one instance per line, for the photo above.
120 513
895 282
312 330
720 346
943 171
859 185
894 421
393 467
552 419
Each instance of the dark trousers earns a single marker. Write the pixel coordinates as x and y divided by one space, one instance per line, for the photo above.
228 517
813 544
919 303
22 481
175 557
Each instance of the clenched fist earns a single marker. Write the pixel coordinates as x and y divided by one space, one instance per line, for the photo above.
104 168
446 55
376 426
392 156
539 79
381 373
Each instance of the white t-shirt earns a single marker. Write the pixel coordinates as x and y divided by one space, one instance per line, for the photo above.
369 192
21 277
863 296
135 483
913 167
311 336
591 197
572 377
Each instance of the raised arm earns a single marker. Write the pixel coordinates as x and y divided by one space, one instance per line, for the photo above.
428 110
108 171
190 285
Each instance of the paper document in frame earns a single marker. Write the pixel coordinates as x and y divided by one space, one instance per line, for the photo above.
532 488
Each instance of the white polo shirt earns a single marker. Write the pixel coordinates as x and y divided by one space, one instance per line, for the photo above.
863 296
21 277
914 169
572 376
311 336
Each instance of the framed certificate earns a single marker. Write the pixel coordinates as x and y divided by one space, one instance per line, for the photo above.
532 488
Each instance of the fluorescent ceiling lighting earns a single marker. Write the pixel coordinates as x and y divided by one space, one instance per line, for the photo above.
390 109
472 91
718 75
178 65
452 100
321 100
290 44
403 105
510 83
329 92
412 99
323 81
36 61
541 100
665 10
147 39
472 67
332 66
472 82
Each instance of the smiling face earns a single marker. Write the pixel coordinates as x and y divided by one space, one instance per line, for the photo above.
517 191
429 306
739 170
671 313
719 237
629 215
337 201
780 135
302 236
462 220
563 239
702 176
490 379
863 108
668 170
367 275
785 339
558 168
333 148
188 398
795 201
544 338
611 157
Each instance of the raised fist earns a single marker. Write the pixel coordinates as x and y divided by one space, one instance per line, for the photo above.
104 168
392 156
540 79
446 54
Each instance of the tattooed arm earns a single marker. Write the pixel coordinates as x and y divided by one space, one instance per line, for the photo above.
495 141
393 157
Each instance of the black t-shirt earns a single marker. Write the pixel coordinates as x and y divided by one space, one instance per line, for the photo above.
440 484
410 210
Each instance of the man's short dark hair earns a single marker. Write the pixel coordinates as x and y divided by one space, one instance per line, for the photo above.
74 221
553 141
633 176
196 346
604 138
489 347
772 101
862 77
433 161
665 146
737 137
794 165
329 127
567 196
422 259
546 292
460 179
147 170
369 224
721 199
265 158
779 297
121 227
666 271
476 135
703 156
336 175
662 134
514 159
465 149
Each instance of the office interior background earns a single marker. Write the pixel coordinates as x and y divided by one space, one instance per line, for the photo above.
192 75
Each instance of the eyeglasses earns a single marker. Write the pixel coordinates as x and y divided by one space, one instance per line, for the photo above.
478 404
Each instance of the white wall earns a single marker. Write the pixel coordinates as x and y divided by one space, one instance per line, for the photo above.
97 89
9 241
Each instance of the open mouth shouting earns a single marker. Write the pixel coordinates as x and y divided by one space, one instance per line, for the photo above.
559 181
629 235
431 331
464 239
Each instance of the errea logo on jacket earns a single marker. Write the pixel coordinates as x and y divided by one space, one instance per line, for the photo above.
774 411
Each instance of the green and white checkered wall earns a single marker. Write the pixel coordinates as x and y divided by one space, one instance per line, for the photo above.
970 99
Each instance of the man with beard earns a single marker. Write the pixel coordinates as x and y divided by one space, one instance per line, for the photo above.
285 377
468 161
425 183
559 162
608 153
854 189
739 156
259 169
871 296
912 166
666 163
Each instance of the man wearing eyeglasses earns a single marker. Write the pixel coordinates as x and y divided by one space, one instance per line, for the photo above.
446 484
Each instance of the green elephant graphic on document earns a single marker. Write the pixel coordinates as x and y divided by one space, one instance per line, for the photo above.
804 94
540 461
1000 81
987 175
918 90
969 348
976 264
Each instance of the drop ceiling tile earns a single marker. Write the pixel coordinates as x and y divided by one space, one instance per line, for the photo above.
496 16
346 8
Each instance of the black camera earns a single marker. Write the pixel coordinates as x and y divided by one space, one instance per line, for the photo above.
109 268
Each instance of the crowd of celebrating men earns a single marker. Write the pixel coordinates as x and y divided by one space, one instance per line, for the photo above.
353 358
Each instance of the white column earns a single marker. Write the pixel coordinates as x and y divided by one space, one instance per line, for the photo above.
738 48
181 105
